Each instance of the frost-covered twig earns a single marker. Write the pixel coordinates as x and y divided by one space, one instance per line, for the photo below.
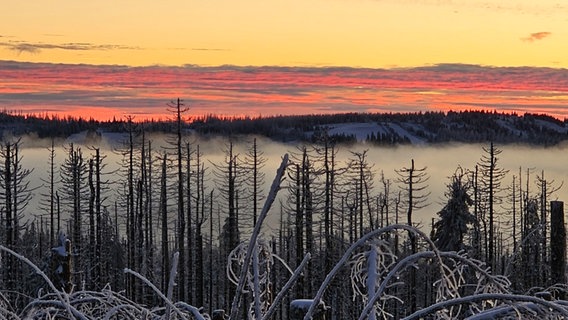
500 282
422 313
160 294
297 273
395 270
116 309
350 251
173 272
252 242
256 283
171 283
191 309
517 252
7 314
369 267
372 277
72 311
4 305
283 263
524 310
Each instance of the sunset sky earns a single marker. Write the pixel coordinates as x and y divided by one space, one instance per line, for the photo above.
113 58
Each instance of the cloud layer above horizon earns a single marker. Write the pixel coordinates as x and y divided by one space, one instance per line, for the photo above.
106 91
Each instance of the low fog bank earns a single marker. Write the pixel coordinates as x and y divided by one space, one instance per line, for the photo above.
440 161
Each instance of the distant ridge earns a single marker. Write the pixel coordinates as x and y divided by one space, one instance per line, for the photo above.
372 128
398 128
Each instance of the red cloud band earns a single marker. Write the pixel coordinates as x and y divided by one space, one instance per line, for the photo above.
231 90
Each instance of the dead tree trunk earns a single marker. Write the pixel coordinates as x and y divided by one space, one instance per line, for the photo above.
557 244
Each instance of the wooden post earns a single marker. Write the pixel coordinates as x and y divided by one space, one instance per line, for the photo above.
557 244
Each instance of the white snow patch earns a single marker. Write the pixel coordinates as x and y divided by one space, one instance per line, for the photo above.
401 131
305 304
360 130
302 304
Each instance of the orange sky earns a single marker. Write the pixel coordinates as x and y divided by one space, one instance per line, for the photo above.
105 58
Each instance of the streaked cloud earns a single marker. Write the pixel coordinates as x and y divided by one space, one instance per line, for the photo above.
208 49
537 36
30 47
524 7
233 90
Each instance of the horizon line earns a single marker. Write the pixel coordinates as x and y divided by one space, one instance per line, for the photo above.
225 117
291 66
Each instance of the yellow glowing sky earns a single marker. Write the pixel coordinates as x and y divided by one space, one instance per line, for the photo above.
356 33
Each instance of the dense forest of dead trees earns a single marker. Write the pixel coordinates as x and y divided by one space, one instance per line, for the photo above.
95 222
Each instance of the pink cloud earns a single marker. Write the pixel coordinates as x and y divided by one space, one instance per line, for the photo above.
114 91
536 36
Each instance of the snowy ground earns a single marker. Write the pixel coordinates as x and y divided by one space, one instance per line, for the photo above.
362 130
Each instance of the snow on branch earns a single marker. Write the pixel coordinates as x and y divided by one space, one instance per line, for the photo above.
549 306
297 273
72 311
329 277
256 231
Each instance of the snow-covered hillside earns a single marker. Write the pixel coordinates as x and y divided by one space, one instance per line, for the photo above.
472 127
363 130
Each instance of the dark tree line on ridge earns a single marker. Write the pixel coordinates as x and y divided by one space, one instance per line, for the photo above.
431 127
172 199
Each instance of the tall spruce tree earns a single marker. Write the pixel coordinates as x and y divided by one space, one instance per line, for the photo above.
449 230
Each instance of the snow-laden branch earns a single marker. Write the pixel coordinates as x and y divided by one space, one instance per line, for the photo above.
160 294
255 263
369 267
194 311
256 231
297 273
117 309
72 311
7 314
500 282
420 314
372 277
171 283
350 251
524 240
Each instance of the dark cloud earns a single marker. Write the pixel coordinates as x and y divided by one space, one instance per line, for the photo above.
29 47
536 36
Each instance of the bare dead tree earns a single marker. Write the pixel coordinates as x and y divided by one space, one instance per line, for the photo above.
413 183
177 109
491 177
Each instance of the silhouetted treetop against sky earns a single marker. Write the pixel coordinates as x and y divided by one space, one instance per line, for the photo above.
379 128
